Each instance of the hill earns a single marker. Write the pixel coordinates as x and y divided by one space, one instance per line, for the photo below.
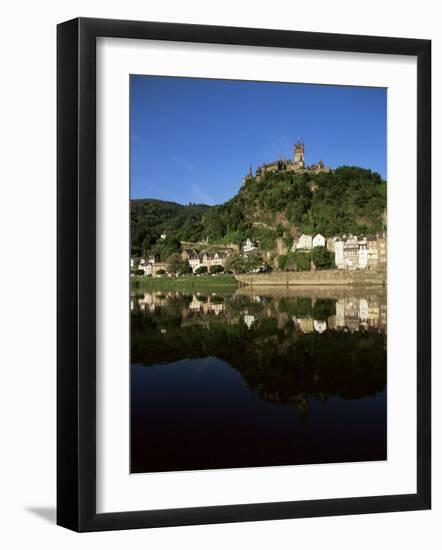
348 200
150 218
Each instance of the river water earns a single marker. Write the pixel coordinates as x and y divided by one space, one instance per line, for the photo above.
257 377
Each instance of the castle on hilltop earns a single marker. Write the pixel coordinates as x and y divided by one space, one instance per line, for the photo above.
287 165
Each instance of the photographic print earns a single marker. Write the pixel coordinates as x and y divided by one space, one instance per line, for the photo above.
258 274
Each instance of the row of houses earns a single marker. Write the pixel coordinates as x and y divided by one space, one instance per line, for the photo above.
307 242
351 252
151 265
206 259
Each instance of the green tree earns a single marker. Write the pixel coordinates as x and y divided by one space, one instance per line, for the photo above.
322 258
290 264
185 268
216 269
174 263
302 260
201 270
253 262
235 262
282 262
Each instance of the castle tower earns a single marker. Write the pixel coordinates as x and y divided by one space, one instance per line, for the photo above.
299 156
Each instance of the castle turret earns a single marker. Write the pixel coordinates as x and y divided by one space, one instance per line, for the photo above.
299 156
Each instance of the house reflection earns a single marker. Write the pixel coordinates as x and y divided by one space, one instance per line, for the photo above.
288 346
306 312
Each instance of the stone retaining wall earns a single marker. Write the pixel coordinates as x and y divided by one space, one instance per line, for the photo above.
312 278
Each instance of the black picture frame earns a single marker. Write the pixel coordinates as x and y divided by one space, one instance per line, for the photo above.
76 274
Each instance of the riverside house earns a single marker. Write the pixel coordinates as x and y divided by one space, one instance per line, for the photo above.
303 243
372 251
192 256
318 240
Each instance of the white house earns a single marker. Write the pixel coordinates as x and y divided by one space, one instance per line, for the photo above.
146 267
318 240
351 253
362 254
330 243
195 263
219 258
304 242
339 253
204 259
249 245
372 251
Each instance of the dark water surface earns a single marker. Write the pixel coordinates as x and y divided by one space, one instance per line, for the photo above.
257 378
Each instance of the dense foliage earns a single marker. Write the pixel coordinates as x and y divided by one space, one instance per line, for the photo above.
300 260
348 200
150 218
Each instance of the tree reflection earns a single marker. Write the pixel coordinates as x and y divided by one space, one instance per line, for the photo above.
287 349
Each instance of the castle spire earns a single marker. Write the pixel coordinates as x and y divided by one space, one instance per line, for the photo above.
299 155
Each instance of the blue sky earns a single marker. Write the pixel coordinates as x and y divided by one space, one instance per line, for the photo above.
192 140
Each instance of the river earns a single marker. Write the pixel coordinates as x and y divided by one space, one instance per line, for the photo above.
257 377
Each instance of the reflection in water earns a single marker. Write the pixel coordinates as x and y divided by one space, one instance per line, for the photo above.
259 377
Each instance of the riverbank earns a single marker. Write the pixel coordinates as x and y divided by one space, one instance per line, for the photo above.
335 277
209 283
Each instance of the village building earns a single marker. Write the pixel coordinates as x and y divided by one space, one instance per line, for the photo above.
210 259
362 254
304 242
134 261
204 259
146 268
218 258
318 240
195 263
339 253
351 253
330 244
144 263
249 246
157 266
192 256
372 252
382 251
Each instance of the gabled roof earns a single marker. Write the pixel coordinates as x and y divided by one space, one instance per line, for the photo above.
191 252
